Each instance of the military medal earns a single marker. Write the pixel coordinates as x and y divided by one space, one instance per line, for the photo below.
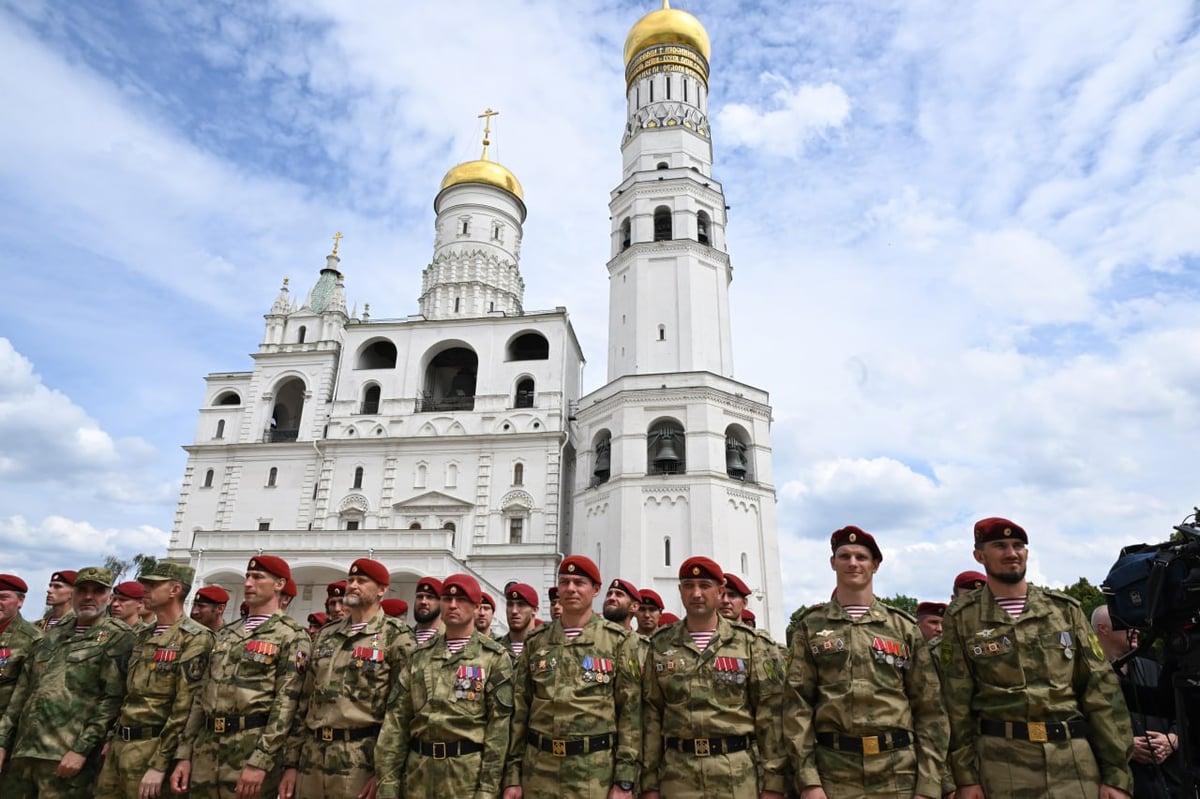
5 654
741 671
460 683
588 676
1064 638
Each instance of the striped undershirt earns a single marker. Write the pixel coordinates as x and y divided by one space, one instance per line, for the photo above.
358 627
702 638
52 621
572 632
79 629
425 634
517 647
159 629
856 612
1014 606
254 622
455 645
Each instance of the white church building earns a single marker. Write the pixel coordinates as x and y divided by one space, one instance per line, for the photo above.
456 439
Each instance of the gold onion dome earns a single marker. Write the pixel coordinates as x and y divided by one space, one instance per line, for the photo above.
667 26
483 171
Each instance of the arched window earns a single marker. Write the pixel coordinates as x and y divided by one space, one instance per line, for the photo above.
370 402
662 223
602 461
667 550
220 429
702 225
450 381
524 397
666 448
208 478
272 475
288 411
377 355
449 526
663 165
626 234
519 474
419 476
358 476
516 529
739 460
745 565
228 398
529 347
415 526
300 334
662 332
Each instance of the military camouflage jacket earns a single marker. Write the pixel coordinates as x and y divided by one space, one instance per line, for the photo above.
1045 666
350 676
69 692
556 694
16 643
251 674
443 698
863 677
164 674
44 624
733 687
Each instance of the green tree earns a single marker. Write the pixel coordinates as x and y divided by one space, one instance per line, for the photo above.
901 602
139 563
1088 595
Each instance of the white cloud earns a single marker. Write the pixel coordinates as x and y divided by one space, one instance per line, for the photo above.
799 115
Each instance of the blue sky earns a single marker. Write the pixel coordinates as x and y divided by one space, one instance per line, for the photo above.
964 240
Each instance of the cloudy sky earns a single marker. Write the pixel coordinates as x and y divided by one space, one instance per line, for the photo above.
965 241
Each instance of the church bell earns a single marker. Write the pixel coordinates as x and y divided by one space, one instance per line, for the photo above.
665 456
735 458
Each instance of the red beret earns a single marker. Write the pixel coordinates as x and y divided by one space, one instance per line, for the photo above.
244 609
130 589
335 590
552 593
971 580
65 576
538 622
931 609
651 598
732 581
212 593
576 565
667 618
627 587
523 592
11 582
463 586
270 564
995 529
319 619
748 616
372 569
394 607
429 585
855 535
290 589
701 566
486 599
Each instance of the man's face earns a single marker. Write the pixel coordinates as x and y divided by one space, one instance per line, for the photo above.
519 614
854 565
58 593
457 611
576 593
732 605
931 626
618 605
159 593
1004 559
126 608
555 609
700 596
10 605
483 618
335 608
90 601
207 613
426 607
647 618
362 591
261 588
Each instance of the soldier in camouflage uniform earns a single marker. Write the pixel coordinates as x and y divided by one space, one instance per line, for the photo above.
1035 710
17 640
238 728
650 608
355 664
447 726
865 716
67 698
521 604
165 670
59 595
713 702
577 715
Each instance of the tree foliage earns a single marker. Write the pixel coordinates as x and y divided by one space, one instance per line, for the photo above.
138 564
1088 595
901 602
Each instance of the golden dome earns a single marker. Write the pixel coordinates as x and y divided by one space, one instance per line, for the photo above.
483 171
667 26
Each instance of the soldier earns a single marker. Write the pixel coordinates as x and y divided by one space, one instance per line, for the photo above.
521 604
667 618
577 706
427 609
555 605
865 716
447 724
621 603
650 608
238 728
355 664
165 669
58 598
335 593
966 582
1034 708
733 601
713 698
208 607
67 697
290 589
484 613
17 636
929 620
315 622
749 619
396 608
127 599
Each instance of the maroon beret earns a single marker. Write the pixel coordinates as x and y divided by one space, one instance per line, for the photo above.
130 589
319 619
855 535
290 589
372 569
462 586
971 580
627 588
270 564
552 593
931 609
212 593
429 585
732 581
335 590
394 607
244 609
65 576
667 618
576 565
11 582
748 616
486 599
523 592
651 598
995 529
701 566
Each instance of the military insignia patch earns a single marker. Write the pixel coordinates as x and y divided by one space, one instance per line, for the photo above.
194 669
301 661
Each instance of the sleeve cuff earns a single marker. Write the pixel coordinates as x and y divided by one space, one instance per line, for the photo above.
260 759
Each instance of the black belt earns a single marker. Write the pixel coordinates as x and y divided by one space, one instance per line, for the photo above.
703 747
561 747
1035 731
220 724
440 750
138 733
329 734
867 744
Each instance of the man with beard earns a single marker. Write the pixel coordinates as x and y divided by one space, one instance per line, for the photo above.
58 598
621 603
127 600
427 609
67 697
208 607
521 604
354 668
335 594
650 608
485 613
1035 710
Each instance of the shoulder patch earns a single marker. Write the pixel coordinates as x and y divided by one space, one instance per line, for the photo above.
190 626
613 627
1062 597
904 614
660 630
492 645
959 605
295 625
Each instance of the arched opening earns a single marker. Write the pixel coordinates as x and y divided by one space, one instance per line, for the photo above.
702 226
667 551
451 475
666 448
626 234
415 526
662 223
370 401
450 381
220 429
663 165
745 565
449 526
208 478
358 477
289 407
419 476
377 355
516 529
738 453
529 347
272 476
300 334
602 462
228 398
524 395
519 474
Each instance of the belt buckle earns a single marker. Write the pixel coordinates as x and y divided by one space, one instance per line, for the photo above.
439 746
702 746
327 734
1037 732
126 733
218 723
870 745
558 747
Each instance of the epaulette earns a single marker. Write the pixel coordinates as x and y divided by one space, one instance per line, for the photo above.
295 625
800 613
763 634
492 645
1062 596
115 622
964 601
190 626
900 612
535 632
660 630
613 627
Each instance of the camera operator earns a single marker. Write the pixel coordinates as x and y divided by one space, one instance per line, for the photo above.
1156 762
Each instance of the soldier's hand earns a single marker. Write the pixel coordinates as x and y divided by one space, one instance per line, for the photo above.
969 792
513 792
1112 792
250 782
151 785
650 795
1142 753
70 765
181 776
369 790
287 785
813 792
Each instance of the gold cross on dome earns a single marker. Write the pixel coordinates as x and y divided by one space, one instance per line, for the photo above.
486 116
337 239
